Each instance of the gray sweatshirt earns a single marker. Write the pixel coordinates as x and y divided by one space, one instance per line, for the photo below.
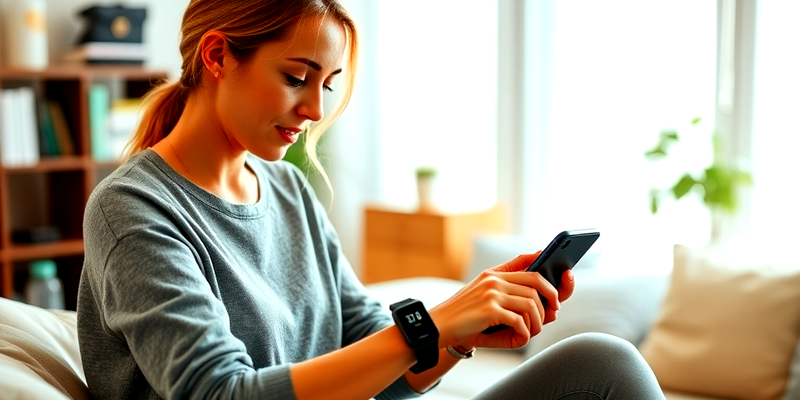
185 295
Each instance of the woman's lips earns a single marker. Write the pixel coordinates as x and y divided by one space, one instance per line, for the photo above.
289 134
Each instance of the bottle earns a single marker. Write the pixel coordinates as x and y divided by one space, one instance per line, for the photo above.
43 288
26 34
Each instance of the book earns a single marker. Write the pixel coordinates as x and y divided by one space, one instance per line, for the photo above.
107 53
99 104
48 142
30 125
61 128
7 127
20 136
123 119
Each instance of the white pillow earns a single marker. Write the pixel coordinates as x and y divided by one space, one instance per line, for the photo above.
729 325
40 347
621 306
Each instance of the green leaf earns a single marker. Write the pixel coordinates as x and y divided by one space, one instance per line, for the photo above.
743 178
669 135
683 186
719 188
656 153
654 200
696 120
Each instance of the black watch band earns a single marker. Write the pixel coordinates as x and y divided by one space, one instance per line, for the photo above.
419 331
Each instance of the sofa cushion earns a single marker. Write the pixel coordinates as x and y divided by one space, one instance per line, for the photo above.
728 327
40 349
623 306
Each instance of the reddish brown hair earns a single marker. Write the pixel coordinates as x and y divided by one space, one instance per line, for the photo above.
247 24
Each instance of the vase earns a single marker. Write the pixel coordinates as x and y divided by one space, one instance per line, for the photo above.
425 192
26 34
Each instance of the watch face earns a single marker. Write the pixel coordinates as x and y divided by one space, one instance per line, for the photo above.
417 325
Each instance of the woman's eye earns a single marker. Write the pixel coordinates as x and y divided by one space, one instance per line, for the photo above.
294 82
327 88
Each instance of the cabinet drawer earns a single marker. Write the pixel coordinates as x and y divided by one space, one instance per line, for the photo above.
417 231
386 264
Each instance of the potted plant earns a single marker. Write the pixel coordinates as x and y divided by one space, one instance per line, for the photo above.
717 184
426 179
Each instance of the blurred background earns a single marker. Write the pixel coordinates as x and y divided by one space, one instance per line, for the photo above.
547 108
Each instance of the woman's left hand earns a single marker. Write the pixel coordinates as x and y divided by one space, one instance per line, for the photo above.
533 321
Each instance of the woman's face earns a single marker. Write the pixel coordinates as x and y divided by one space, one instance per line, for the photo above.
263 105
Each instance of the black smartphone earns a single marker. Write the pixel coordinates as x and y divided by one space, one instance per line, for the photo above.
561 254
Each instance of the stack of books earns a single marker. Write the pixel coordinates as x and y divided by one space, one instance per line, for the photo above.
19 139
31 128
107 53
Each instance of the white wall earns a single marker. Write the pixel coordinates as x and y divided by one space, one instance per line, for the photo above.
161 28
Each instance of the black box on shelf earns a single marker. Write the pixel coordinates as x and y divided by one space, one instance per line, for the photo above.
36 234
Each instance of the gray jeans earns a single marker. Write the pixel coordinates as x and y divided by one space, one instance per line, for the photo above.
590 366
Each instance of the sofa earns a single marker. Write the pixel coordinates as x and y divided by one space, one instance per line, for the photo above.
698 350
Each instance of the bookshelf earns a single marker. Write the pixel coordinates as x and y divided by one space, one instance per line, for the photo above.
53 191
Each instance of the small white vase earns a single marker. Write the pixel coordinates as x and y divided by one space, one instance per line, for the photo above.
26 34
425 192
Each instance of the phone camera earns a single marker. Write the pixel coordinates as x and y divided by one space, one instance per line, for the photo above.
566 244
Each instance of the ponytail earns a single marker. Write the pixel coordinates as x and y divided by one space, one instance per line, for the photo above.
162 108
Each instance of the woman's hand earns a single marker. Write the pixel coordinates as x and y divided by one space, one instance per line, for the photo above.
505 294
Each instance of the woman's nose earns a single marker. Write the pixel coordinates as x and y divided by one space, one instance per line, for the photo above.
311 106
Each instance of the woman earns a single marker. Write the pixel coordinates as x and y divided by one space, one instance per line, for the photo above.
211 271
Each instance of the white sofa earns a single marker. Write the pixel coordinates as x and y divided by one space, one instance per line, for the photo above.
723 325
470 377
39 356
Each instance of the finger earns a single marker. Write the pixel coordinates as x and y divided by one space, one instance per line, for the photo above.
536 281
518 263
550 315
567 286
531 309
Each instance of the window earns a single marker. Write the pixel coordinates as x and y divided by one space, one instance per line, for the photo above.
437 68
622 71
776 137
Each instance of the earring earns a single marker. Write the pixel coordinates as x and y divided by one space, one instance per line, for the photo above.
216 74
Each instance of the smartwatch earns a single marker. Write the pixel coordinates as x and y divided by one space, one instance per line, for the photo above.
419 331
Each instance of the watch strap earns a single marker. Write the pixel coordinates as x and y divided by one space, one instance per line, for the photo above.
427 357
399 304
427 354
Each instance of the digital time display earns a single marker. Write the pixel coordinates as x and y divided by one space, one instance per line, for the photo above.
416 323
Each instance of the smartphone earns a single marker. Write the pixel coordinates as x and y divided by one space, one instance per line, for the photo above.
561 254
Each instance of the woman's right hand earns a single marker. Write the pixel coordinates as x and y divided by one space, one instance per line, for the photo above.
505 294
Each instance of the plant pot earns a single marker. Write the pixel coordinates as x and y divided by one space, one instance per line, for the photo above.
425 192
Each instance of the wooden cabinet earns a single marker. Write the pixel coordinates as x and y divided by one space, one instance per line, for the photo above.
53 191
401 244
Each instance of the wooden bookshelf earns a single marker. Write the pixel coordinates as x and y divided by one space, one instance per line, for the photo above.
54 190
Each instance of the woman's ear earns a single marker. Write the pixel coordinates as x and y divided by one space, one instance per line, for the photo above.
213 51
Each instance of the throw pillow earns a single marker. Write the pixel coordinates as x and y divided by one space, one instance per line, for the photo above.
727 328
43 344
624 306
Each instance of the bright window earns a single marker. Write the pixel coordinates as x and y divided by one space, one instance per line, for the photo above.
623 70
776 136
437 68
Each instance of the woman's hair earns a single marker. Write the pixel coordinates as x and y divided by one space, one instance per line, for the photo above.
247 24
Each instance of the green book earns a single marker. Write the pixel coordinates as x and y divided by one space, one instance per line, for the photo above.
49 142
99 105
